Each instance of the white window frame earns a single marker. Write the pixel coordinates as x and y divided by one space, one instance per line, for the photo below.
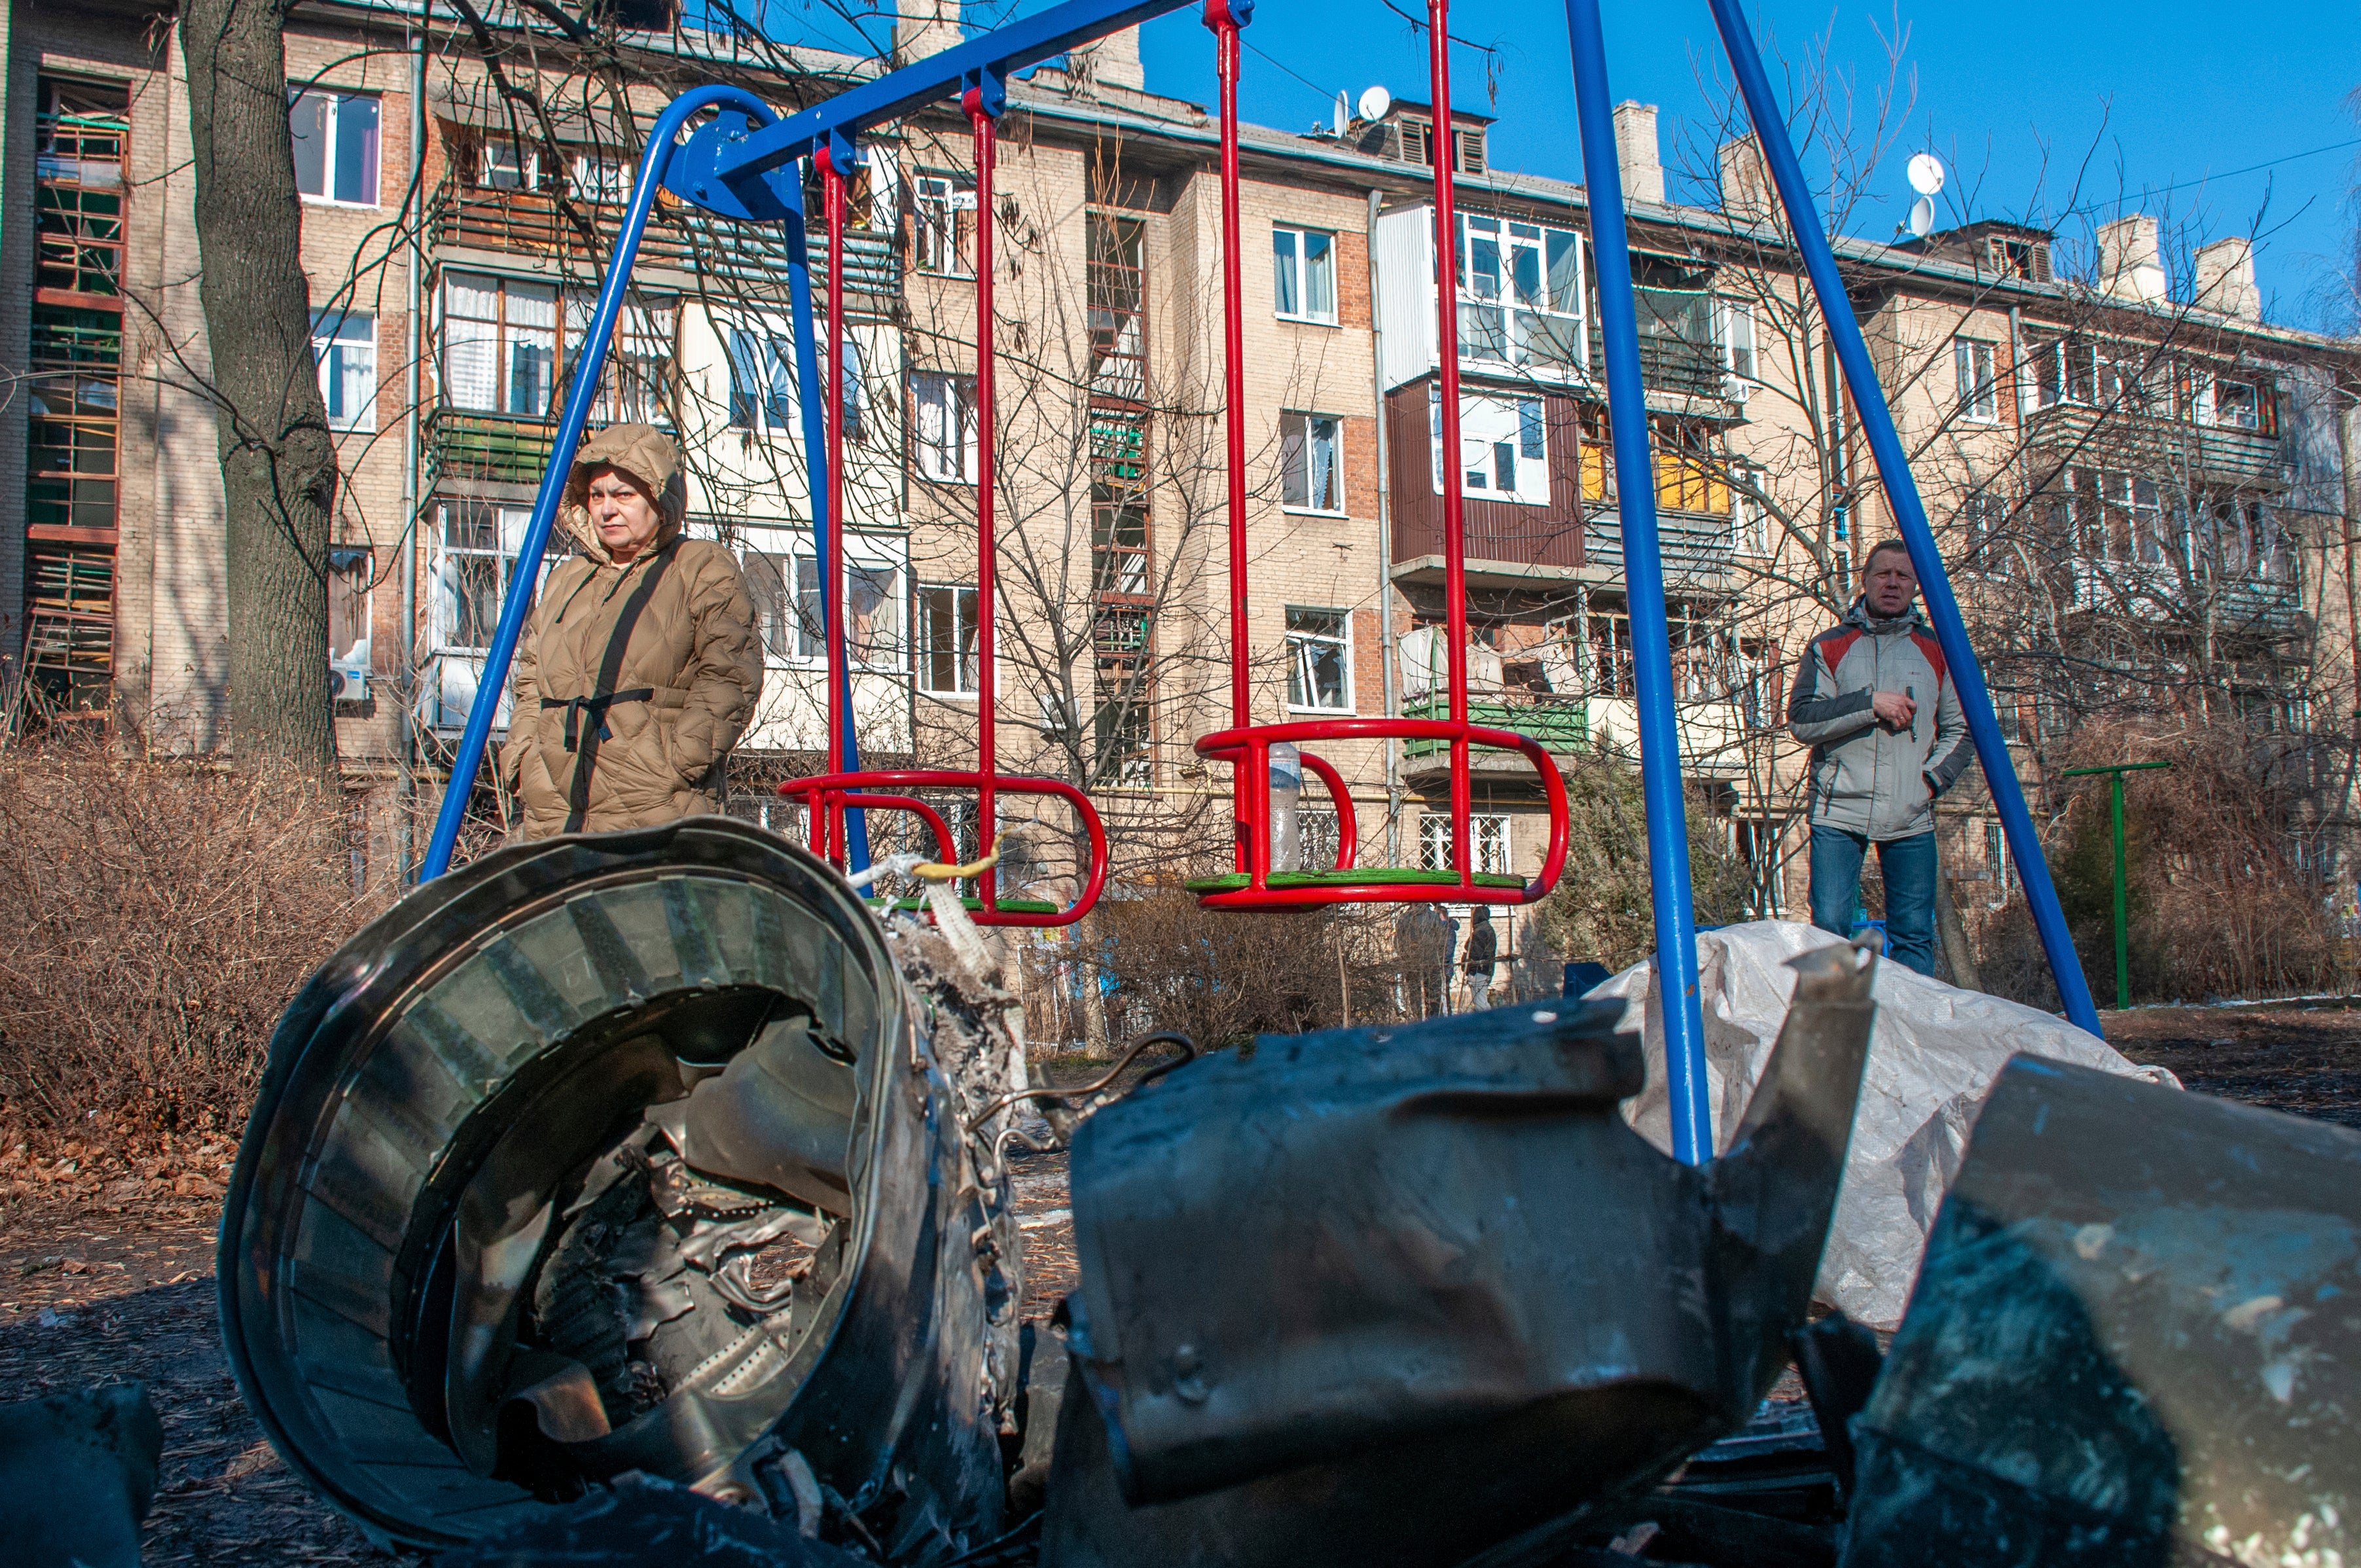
1486 424
2222 419
1294 261
766 351
335 356
1510 239
527 167
938 400
1308 432
443 558
938 199
335 99
505 337
966 674
1741 358
1976 379
1488 836
598 175
1302 646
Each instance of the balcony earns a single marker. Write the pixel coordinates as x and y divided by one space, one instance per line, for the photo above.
528 224
1573 724
1560 723
1697 549
489 447
2217 455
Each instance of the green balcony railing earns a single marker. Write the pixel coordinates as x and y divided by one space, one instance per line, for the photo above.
489 447
1561 724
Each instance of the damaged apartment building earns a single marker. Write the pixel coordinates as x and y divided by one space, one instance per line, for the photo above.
2147 482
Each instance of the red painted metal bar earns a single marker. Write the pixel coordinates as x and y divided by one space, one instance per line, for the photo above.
837 635
825 795
987 811
1443 149
946 842
1348 831
1250 794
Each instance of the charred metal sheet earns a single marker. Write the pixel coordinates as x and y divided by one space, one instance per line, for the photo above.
77 1472
1361 1298
2135 1339
625 1153
641 1523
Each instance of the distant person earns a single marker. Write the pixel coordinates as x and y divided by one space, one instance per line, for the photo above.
1874 700
1483 955
1422 946
640 665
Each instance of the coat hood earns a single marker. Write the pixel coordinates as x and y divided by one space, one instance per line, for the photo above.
650 457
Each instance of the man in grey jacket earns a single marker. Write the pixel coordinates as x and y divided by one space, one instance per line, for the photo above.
1874 700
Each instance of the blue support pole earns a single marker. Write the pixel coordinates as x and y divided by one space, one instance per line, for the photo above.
1644 580
1909 511
579 394
812 400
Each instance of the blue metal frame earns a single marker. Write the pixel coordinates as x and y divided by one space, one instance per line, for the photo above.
1909 511
1643 590
737 164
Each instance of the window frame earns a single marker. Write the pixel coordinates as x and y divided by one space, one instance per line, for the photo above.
647 317
1976 387
1472 414
1434 844
957 404
963 653
1307 445
328 343
1473 305
334 99
1301 642
956 196
1300 262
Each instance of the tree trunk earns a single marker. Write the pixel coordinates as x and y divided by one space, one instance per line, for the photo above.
278 461
1956 948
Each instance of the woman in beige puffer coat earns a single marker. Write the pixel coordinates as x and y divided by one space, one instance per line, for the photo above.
640 664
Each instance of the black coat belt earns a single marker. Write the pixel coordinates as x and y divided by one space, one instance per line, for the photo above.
595 707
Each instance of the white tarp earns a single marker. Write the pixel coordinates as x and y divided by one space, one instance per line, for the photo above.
1932 1056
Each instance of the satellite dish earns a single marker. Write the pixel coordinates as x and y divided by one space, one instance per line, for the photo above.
1922 216
1375 102
1338 128
1925 173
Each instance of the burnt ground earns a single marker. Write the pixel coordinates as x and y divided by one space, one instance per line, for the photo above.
100 1283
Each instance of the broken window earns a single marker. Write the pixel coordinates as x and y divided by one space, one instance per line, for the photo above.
1977 387
943 237
1318 661
1308 463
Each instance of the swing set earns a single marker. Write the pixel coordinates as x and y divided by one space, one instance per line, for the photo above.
739 161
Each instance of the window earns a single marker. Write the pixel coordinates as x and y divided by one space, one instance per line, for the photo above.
1521 294
1690 475
1503 448
2084 374
945 441
335 146
1318 661
944 240
762 379
1308 463
778 609
1417 140
351 572
856 395
2238 405
872 608
1753 524
1304 266
1114 282
499 343
1488 835
1733 328
344 345
1319 837
635 384
1996 865
946 624
872 615
502 164
1971 370
475 552
599 176
2120 517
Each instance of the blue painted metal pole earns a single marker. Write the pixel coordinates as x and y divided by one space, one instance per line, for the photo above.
1644 579
580 393
812 405
1909 511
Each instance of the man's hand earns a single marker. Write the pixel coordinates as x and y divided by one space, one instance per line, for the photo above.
1893 710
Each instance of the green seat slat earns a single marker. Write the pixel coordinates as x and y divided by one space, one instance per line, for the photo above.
1379 876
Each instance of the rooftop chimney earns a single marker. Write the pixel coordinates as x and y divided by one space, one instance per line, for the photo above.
1112 62
2131 265
922 28
2225 279
1636 155
1745 182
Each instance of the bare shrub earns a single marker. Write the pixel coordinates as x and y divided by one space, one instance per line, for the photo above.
1224 977
156 916
1602 907
2219 899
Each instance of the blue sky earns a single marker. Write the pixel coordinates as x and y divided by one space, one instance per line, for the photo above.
2151 107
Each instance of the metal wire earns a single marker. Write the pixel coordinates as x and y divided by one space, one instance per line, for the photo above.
1158 1036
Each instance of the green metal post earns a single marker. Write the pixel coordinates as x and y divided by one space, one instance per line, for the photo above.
2116 773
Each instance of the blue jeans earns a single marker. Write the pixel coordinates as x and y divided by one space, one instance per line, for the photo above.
1909 867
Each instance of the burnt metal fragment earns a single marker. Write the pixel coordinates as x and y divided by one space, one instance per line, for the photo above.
1396 1298
1839 1361
77 1472
636 1152
642 1523
2135 1340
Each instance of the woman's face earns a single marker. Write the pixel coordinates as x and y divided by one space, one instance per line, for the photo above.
625 516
